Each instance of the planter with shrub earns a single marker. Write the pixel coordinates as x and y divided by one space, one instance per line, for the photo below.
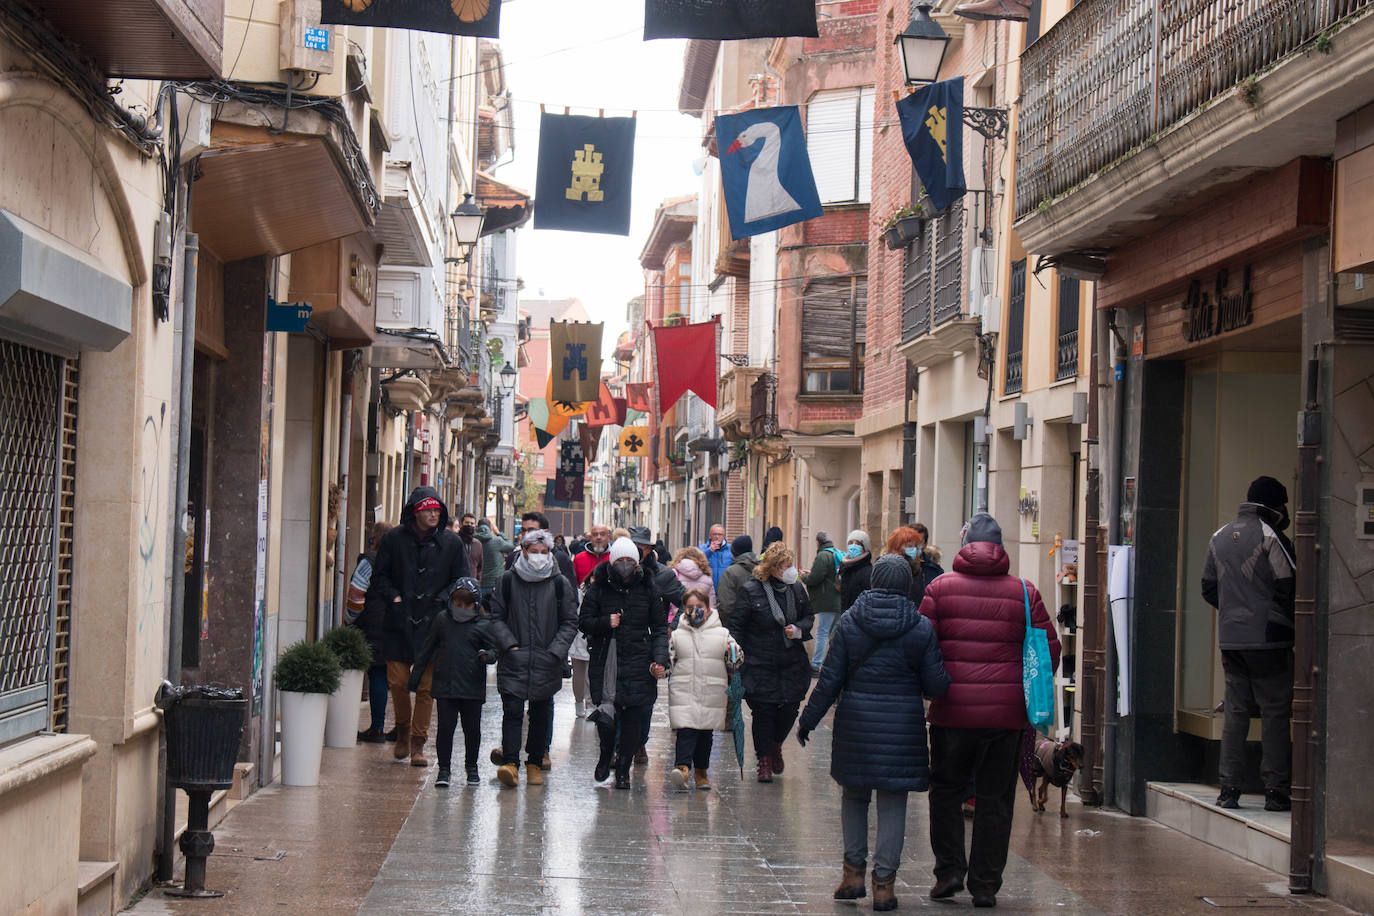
306 674
349 645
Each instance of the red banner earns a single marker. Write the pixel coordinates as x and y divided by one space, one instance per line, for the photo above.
637 396
602 412
685 358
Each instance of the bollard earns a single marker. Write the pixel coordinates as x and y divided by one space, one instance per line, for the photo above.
197 842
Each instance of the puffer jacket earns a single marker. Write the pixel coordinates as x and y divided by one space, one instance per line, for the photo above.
1249 577
641 638
494 550
696 688
691 576
854 578
540 620
776 669
734 577
454 642
979 614
415 568
882 658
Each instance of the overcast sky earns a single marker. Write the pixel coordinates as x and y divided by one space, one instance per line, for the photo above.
607 65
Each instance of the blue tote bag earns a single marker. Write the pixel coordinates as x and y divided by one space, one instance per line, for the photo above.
1037 672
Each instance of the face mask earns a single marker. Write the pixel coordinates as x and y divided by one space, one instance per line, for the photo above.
789 575
911 552
539 562
624 569
696 616
855 551
466 532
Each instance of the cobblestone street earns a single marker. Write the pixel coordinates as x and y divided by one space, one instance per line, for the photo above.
377 837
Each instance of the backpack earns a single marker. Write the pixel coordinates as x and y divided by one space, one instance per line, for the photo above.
838 558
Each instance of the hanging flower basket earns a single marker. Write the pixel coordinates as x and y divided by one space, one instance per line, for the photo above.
893 238
909 228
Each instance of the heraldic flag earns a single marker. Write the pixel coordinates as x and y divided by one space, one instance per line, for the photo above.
479 18
634 442
766 170
686 359
729 18
575 352
933 131
585 166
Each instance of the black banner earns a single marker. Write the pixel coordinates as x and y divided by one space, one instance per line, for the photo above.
729 18
585 167
478 18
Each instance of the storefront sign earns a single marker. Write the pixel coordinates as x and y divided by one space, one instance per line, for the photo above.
361 279
1222 311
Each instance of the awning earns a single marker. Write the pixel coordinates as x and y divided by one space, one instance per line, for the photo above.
507 207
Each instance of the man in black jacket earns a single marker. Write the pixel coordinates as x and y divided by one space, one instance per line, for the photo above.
416 561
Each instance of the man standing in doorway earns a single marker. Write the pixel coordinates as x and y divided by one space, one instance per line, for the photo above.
717 553
1249 577
416 561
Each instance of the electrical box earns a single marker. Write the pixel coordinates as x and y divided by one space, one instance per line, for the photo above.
306 45
194 120
1364 509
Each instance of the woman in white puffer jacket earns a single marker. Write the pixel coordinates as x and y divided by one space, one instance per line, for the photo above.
700 649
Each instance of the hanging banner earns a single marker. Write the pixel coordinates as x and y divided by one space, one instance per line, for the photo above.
685 359
634 442
933 131
602 411
542 438
575 358
571 468
585 167
537 409
478 18
564 410
765 170
729 18
590 437
637 395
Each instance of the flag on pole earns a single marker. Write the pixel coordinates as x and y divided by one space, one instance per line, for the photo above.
933 131
479 18
685 359
584 172
765 170
729 18
634 442
575 354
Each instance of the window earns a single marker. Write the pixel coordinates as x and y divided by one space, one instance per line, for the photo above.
948 249
916 286
1066 343
1033 23
933 279
834 312
839 137
1016 326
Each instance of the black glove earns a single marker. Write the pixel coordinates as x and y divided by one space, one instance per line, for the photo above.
414 685
803 735
486 657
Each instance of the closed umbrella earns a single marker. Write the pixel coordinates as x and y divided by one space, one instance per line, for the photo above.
735 714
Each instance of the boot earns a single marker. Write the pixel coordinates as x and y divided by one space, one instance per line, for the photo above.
1229 797
497 756
1277 800
678 777
884 897
533 775
777 758
509 774
641 756
852 884
402 749
985 10
766 769
703 784
417 752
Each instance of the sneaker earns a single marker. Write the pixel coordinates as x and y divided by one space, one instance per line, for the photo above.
441 781
678 777
580 708
1229 797
968 806
703 782
473 778
1277 800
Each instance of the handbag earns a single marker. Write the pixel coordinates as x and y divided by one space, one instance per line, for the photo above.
1037 672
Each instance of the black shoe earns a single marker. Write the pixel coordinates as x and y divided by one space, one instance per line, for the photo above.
622 780
497 757
946 887
641 756
1229 797
984 901
1277 800
391 735
372 736
473 778
442 780
603 768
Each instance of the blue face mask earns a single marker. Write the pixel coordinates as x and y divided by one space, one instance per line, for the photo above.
911 552
855 551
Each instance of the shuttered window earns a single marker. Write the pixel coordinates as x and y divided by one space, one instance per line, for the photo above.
1016 327
834 313
1066 342
839 138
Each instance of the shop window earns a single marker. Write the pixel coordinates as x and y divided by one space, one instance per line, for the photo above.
1016 327
839 137
833 320
1066 343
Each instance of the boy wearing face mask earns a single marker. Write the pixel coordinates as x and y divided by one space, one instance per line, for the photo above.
703 654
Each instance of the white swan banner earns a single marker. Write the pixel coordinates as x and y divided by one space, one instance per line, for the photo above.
765 170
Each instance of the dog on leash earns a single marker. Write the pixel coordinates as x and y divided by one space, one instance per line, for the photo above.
1049 764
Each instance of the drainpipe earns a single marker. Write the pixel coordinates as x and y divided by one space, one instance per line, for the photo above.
351 360
409 455
1305 670
1090 607
908 513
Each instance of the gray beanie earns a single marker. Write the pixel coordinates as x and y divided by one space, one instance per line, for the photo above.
857 535
982 527
892 573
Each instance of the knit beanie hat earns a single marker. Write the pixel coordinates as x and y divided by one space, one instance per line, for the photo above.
982 527
742 545
623 549
861 537
892 573
772 535
1268 492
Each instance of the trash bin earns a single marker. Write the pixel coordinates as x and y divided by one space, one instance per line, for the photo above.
204 727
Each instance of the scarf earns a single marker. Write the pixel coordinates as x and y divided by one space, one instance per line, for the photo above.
524 570
779 617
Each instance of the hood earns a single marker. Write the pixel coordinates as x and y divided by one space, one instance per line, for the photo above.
747 560
892 573
417 494
884 614
462 615
483 533
982 558
688 569
933 553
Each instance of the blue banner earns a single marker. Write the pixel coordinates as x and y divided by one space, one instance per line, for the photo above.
933 131
585 167
765 170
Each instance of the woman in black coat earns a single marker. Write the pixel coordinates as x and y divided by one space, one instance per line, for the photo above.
855 569
883 658
622 608
771 621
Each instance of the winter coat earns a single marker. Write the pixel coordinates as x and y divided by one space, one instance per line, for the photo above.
719 560
696 688
494 550
373 614
690 575
1249 578
477 557
564 559
979 614
738 573
586 561
776 669
417 569
854 578
822 582
924 568
540 620
882 658
640 640
665 581
454 641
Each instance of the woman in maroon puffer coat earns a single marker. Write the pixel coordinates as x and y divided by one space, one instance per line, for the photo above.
979 614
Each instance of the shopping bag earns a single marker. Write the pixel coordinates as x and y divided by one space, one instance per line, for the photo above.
1037 672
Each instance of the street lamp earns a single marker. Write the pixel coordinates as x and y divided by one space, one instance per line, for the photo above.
467 227
922 45
508 376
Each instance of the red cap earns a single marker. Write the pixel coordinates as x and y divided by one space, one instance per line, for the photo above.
428 502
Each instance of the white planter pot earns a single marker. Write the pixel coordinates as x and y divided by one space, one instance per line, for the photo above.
341 726
302 737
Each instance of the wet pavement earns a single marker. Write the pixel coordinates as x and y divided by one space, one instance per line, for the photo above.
377 837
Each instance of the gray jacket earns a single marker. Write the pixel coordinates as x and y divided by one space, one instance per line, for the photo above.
1249 579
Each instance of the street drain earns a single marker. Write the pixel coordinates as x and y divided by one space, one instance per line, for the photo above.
1265 902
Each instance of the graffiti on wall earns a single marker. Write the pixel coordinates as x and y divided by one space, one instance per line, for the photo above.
150 499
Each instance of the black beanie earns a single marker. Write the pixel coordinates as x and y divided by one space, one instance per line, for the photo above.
1267 491
771 535
742 545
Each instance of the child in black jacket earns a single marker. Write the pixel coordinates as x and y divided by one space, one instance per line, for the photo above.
460 645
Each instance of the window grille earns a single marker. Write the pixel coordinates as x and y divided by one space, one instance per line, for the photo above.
1066 346
1016 326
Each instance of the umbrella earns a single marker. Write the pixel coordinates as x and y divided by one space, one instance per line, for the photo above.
734 713
605 713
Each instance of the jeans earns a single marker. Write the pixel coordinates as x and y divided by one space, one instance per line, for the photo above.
821 633
693 748
512 723
772 722
1263 678
398 677
993 755
450 711
581 683
891 829
377 689
626 735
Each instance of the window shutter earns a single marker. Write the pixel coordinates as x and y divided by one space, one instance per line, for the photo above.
865 144
827 307
830 129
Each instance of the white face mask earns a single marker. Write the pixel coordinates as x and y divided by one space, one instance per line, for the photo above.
539 562
789 575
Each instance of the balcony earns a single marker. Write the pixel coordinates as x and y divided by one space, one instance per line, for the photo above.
147 39
1132 111
934 332
735 395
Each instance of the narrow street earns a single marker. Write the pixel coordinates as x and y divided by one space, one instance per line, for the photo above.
377 837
